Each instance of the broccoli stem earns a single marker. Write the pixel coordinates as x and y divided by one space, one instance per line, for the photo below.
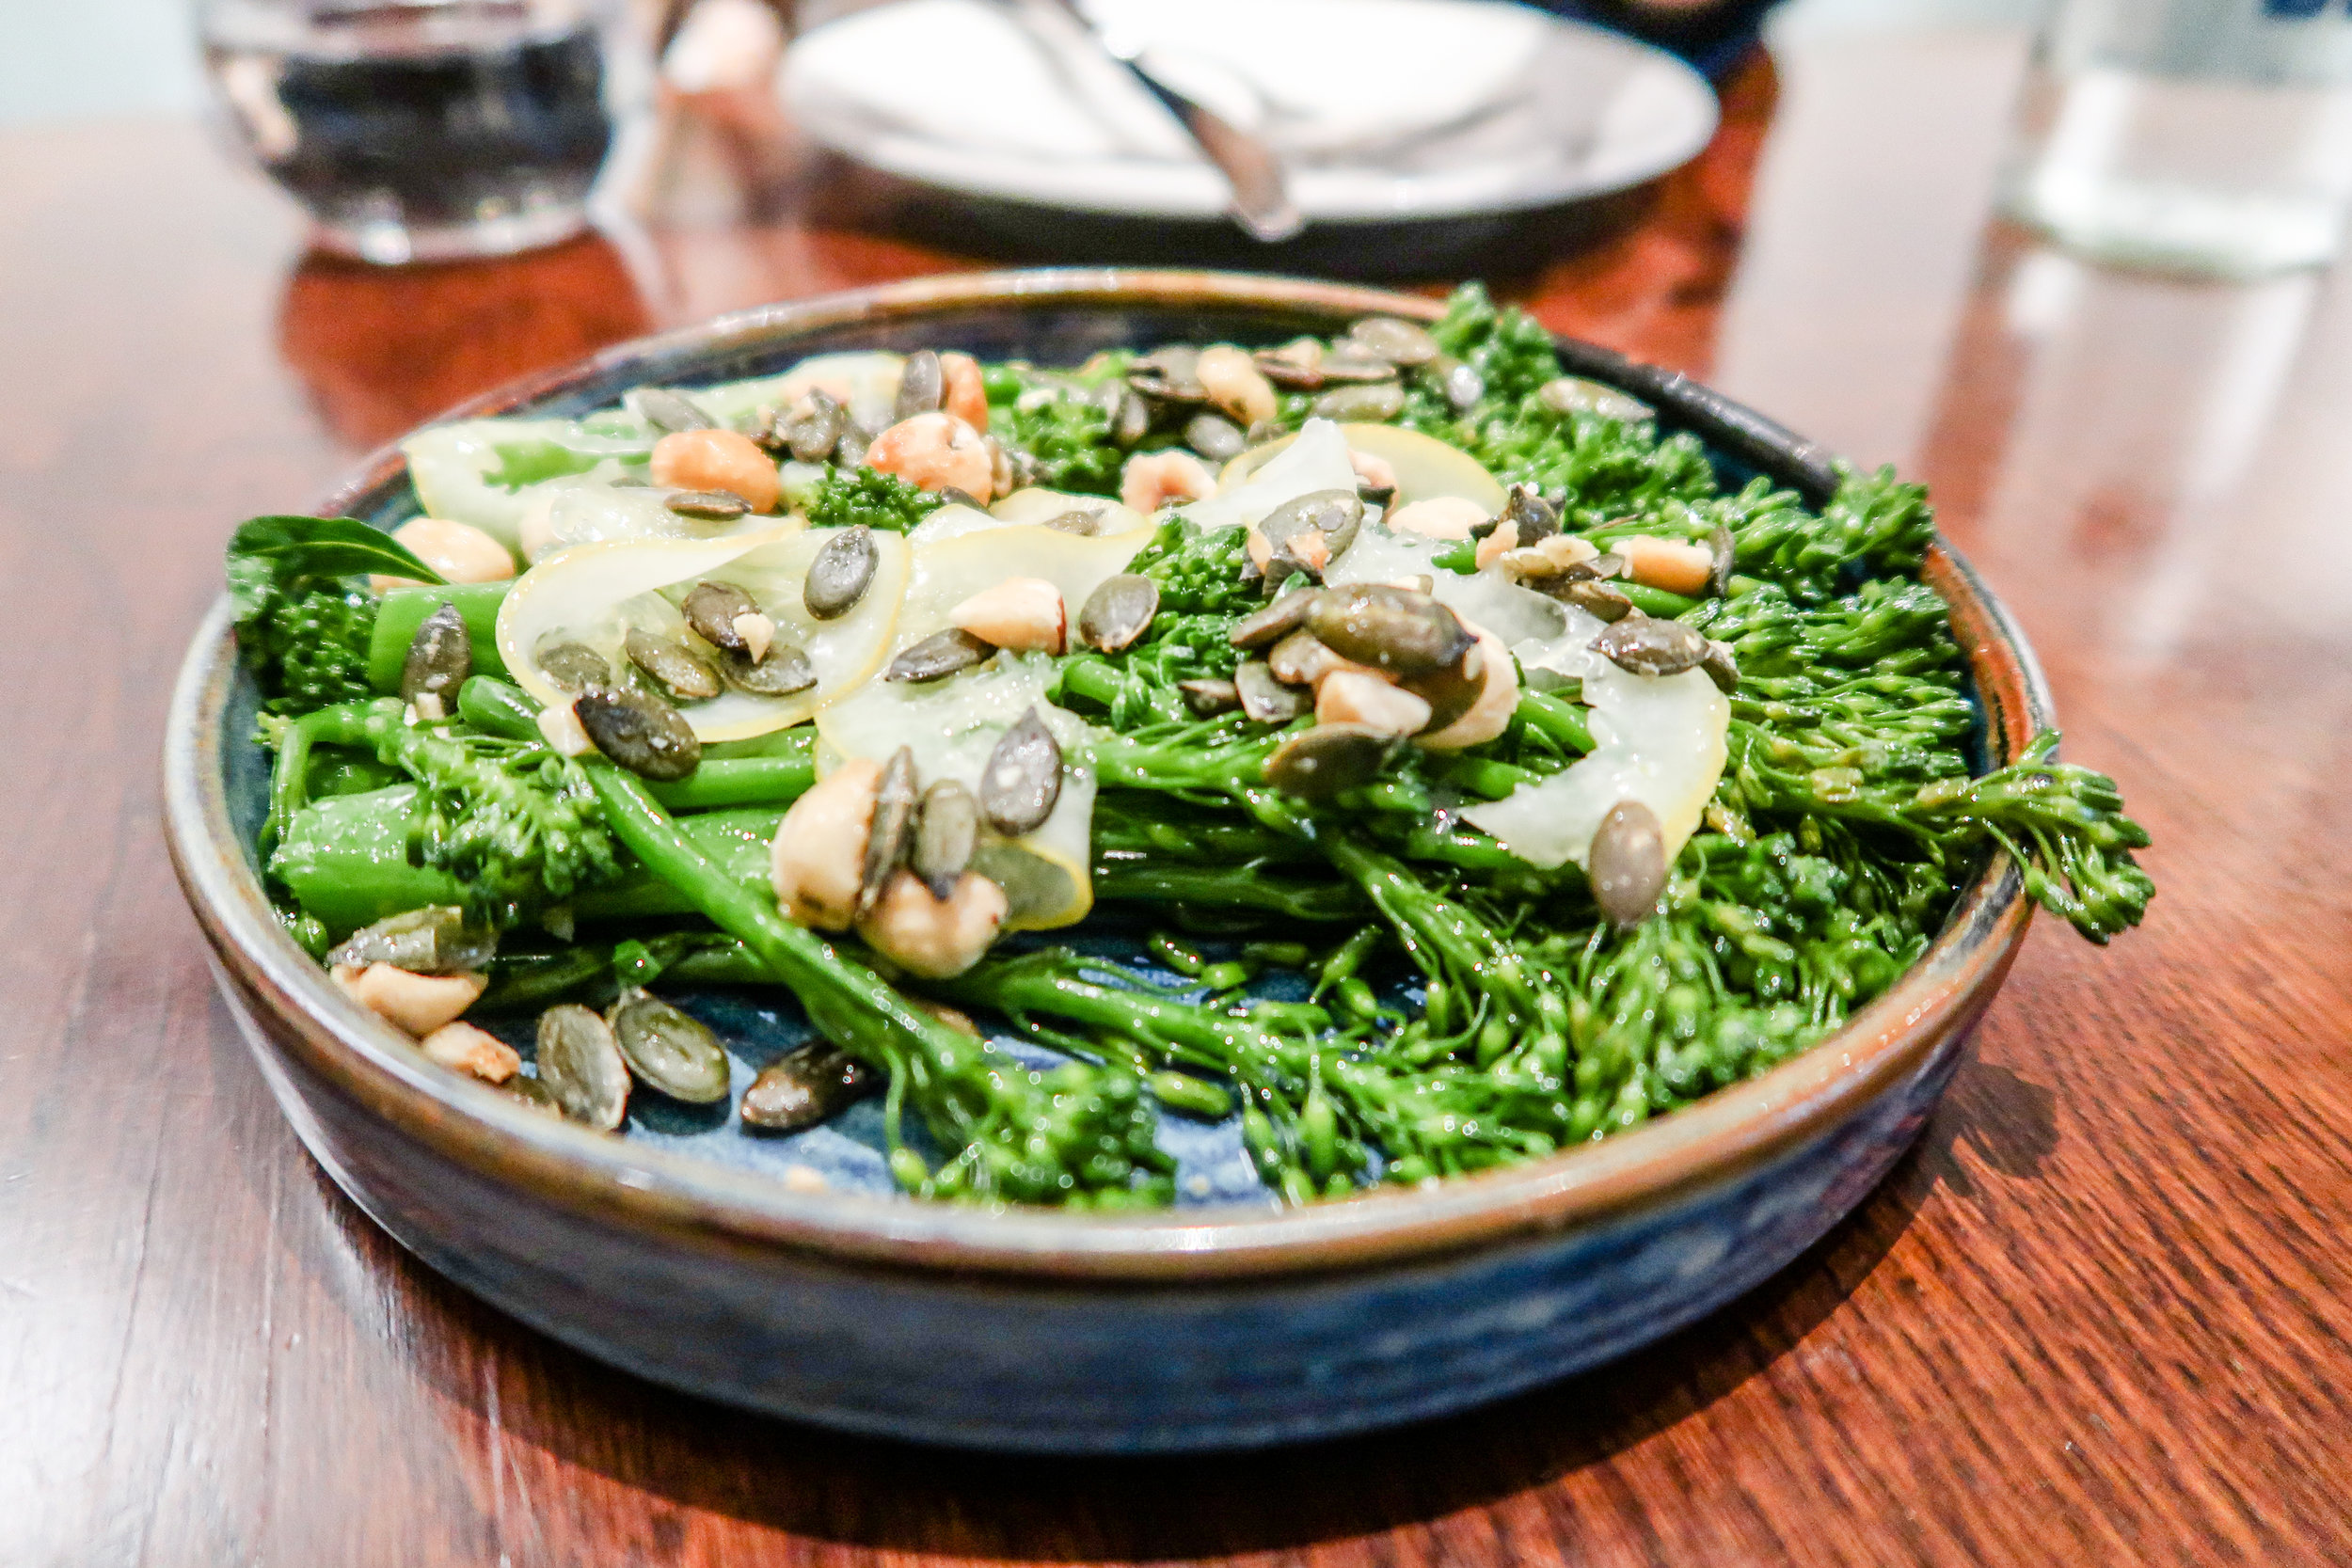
1074 1136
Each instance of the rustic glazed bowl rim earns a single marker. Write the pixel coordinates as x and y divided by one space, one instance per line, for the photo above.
695 1202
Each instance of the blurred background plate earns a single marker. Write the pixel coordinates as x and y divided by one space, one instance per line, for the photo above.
1386 111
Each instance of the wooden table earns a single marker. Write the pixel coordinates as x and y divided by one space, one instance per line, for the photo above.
2103 1315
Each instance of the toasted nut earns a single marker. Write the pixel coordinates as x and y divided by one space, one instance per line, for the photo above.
1667 563
1347 697
759 633
562 730
1447 517
1152 479
477 1053
1528 563
962 393
717 460
936 452
1498 699
459 551
1371 473
1235 384
933 938
417 1002
819 856
1025 614
1502 542
1564 550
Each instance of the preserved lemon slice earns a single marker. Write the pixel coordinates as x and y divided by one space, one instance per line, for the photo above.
1425 467
952 571
595 595
953 726
1659 739
451 468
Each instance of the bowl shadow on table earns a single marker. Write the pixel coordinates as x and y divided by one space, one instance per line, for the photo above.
1493 246
788 1479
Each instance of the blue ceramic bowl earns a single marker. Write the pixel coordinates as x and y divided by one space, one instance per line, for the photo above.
1219 1325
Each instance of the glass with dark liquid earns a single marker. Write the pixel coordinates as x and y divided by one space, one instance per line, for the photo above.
427 130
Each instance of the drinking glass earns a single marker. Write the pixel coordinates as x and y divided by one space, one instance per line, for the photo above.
2209 137
428 130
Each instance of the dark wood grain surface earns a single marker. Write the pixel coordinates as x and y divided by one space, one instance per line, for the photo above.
2103 1315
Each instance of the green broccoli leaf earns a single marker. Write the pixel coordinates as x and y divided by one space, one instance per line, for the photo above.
303 624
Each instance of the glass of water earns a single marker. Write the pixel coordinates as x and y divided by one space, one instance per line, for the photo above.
427 130
2206 137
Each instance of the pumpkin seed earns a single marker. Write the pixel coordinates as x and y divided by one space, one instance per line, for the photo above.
440 658
1573 394
849 451
1628 863
1266 700
920 383
708 506
640 732
1208 698
1023 778
1348 365
668 1050
802 1087
1370 403
811 433
433 940
1170 374
530 1092
1321 763
1296 366
1534 517
892 830
1074 521
582 1067
1646 645
783 668
1721 667
1597 599
1274 623
569 665
1335 515
711 611
1722 553
667 411
1398 341
1394 630
1214 437
1119 611
943 653
683 676
1132 421
946 831
842 572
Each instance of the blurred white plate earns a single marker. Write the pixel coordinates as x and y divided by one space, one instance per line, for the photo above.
1383 109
